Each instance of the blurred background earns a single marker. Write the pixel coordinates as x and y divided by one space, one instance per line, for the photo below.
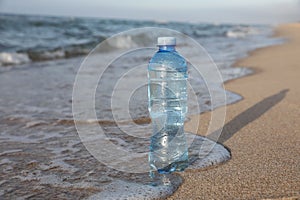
216 11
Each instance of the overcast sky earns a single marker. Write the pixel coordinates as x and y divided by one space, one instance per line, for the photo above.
254 11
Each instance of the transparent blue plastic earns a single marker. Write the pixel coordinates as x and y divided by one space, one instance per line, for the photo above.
167 95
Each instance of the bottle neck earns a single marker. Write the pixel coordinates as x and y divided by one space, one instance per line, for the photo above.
166 48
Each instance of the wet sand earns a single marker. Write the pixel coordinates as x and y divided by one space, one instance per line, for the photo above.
262 130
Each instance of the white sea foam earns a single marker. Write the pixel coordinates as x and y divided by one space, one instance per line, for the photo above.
203 153
134 191
5 161
47 55
11 151
35 123
122 42
13 58
207 154
50 179
241 32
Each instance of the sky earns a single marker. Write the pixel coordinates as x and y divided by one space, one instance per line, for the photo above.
217 11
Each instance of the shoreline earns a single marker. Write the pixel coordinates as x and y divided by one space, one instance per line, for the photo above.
37 123
254 70
260 130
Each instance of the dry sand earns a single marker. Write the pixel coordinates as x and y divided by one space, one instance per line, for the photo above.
262 131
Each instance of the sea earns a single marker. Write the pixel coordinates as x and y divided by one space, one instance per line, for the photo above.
49 144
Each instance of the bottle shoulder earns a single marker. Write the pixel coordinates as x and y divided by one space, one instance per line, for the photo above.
168 58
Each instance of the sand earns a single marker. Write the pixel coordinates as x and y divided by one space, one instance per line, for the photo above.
262 130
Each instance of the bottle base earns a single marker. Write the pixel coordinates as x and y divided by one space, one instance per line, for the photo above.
175 166
160 176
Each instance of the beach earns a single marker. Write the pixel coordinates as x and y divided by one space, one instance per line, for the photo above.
65 133
262 131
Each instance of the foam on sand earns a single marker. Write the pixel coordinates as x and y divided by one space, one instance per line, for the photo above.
202 153
134 191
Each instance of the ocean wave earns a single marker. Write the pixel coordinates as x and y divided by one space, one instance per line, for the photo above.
43 54
241 32
50 38
16 58
13 58
47 55
122 42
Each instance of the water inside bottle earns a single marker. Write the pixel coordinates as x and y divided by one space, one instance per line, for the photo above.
167 107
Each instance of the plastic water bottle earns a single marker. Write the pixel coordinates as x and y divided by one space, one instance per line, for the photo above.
167 95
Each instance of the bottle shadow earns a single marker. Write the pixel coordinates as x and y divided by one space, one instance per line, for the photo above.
246 117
